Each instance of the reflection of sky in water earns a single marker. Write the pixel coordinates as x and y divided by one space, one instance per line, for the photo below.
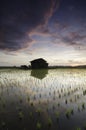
56 80
60 90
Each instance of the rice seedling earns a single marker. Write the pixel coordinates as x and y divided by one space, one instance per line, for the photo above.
79 108
31 114
31 104
38 126
69 113
3 124
83 105
70 100
59 95
39 111
21 115
84 127
49 122
58 104
66 101
78 128
57 116
28 98
20 100
84 92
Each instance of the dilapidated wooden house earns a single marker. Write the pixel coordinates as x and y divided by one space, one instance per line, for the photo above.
39 63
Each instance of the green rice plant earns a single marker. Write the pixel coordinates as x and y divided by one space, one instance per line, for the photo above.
78 108
58 104
34 97
38 126
66 101
31 104
3 124
49 93
78 97
57 116
4 104
47 109
64 94
69 93
78 128
39 111
40 95
21 100
83 105
75 99
84 92
69 113
39 102
21 115
28 98
54 98
85 127
31 114
59 95
49 122
53 107
71 100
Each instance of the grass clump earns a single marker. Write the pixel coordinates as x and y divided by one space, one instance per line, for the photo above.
39 111
28 98
84 92
49 122
3 124
31 104
21 115
83 105
38 125
69 113
85 127
31 114
78 128
57 116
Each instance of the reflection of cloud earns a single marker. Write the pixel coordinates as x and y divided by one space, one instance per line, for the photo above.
19 18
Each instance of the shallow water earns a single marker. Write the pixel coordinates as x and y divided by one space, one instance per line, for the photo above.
43 99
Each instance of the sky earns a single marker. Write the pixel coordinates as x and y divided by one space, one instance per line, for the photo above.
51 29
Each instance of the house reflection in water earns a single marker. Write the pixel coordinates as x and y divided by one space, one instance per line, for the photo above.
39 73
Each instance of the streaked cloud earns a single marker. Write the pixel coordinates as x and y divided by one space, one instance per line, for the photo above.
20 17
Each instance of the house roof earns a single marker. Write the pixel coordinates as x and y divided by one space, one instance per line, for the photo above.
38 60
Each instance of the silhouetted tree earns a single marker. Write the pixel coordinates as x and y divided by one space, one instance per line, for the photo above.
24 67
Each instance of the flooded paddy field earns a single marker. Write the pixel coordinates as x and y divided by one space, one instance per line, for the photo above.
53 99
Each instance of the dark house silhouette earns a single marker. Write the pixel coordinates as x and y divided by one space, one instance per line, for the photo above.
39 63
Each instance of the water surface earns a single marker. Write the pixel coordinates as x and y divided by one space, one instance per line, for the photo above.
52 99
